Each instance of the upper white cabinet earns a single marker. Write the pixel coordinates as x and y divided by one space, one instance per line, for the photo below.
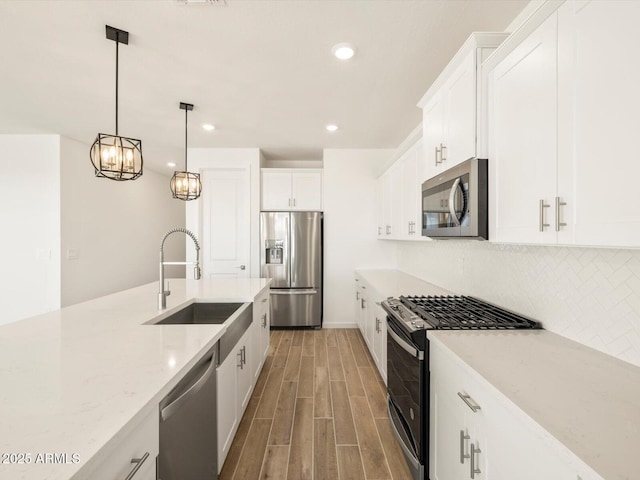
562 107
291 189
522 148
399 196
453 107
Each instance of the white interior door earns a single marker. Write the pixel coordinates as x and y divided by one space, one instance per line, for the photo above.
226 223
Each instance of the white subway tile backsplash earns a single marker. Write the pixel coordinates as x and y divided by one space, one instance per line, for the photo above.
590 295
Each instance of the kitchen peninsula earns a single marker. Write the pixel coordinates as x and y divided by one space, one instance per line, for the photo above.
78 381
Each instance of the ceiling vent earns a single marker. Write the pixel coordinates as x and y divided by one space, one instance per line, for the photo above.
221 3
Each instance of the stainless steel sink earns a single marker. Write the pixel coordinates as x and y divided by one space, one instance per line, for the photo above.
201 313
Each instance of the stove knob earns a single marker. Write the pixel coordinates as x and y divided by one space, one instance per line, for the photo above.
413 323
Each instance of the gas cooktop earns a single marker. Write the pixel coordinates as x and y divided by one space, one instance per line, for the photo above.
454 313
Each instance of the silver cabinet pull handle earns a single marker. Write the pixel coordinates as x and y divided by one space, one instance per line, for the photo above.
289 202
294 202
466 399
377 325
363 304
138 463
558 222
240 356
357 295
463 438
474 470
541 221
388 229
379 230
438 151
443 151
264 320
264 300
378 303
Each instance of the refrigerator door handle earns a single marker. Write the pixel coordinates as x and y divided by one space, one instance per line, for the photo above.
293 292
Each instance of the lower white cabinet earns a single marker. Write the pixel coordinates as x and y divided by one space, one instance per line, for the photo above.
138 449
370 319
475 434
234 377
261 332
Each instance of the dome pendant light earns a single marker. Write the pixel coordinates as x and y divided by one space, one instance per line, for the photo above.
115 157
186 185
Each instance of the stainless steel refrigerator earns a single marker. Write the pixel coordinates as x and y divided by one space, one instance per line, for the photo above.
291 254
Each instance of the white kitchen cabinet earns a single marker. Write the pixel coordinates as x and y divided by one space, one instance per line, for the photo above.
142 439
562 108
261 332
291 189
452 107
235 381
380 206
371 320
523 128
379 347
598 104
399 191
392 194
508 447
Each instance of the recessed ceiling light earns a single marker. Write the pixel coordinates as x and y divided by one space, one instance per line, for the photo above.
332 128
208 127
171 164
343 51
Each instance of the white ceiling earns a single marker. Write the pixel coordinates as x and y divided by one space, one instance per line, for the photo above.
260 70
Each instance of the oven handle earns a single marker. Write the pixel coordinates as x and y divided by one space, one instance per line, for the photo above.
405 346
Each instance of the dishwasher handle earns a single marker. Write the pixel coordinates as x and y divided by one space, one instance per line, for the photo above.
170 409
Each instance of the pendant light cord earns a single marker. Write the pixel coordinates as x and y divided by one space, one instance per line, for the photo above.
186 112
117 44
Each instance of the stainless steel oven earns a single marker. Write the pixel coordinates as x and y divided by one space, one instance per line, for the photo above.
455 203
409 321
408 396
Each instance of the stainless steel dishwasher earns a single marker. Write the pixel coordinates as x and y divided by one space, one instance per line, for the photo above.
188 425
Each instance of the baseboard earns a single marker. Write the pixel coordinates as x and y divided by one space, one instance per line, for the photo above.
340 325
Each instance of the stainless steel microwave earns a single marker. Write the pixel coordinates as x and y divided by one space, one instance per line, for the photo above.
455 203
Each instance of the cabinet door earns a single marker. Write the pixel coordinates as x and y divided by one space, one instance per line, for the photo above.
265 327
410 200
380 206
227 404
245 371
306 191
460 114
433 134
523 138
380 340
276 191
397 228
599 73
387 181
448 435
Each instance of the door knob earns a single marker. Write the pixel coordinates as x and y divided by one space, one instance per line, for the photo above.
242 267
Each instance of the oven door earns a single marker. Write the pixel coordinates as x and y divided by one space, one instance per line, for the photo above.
405 385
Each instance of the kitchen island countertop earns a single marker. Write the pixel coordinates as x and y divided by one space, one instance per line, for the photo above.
73 379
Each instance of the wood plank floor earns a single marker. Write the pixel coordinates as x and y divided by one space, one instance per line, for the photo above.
318 412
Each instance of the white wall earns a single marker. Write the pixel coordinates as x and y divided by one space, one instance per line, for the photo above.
113 228
350 225
201 159
30 219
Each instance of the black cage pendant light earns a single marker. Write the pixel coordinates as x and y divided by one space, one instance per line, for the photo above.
186 185
115 157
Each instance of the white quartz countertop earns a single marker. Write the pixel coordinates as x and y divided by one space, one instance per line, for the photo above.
70 380
587 400
393 283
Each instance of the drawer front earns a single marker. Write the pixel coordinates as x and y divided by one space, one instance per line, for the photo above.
117 463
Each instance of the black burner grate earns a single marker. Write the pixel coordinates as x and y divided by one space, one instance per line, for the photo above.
464 313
